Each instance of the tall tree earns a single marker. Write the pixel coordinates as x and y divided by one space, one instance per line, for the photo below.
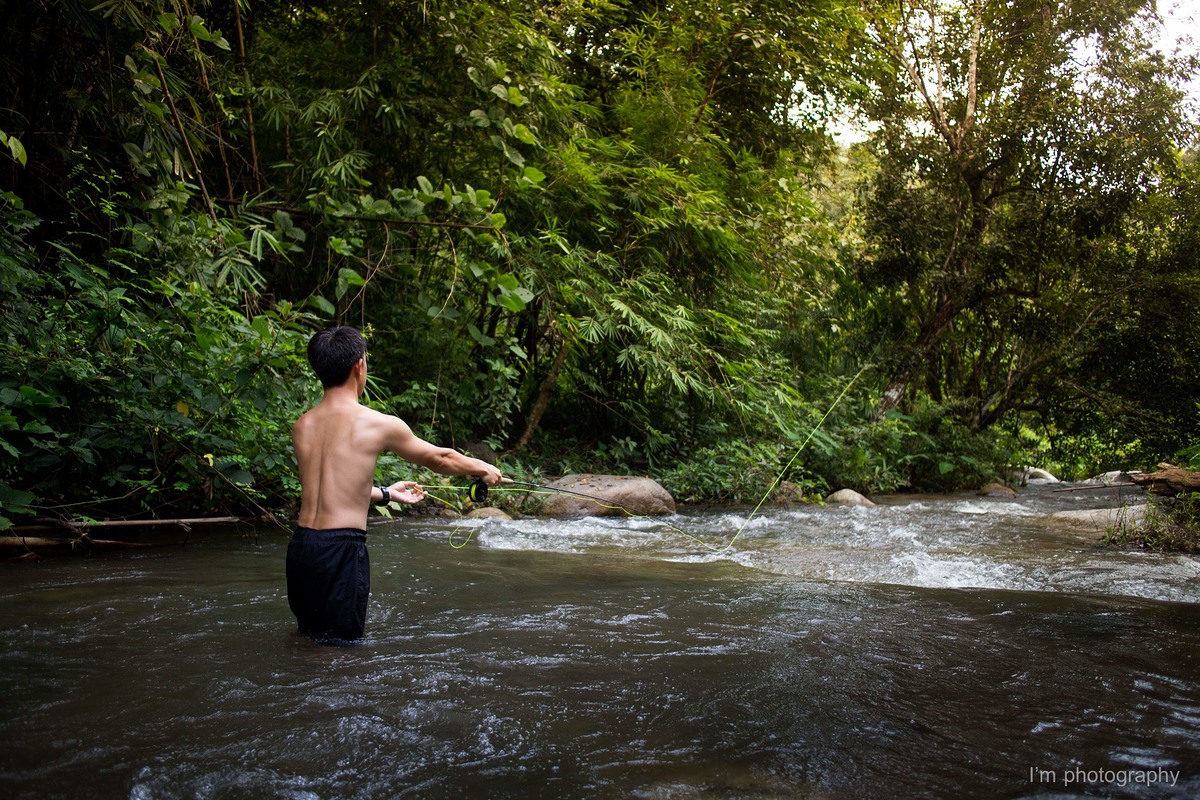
1014 140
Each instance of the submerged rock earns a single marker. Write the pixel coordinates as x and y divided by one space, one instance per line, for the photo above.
848 497
488 512
1103 518
996 489
615 495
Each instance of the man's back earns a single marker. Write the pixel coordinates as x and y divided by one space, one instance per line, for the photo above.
337 444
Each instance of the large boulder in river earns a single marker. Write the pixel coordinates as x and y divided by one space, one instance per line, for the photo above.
848 497
1104 519
616 495
1026 476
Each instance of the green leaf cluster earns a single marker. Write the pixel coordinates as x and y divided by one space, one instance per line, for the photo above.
135 385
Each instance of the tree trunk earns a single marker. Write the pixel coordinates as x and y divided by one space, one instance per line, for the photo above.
1169 481
543 398
930 335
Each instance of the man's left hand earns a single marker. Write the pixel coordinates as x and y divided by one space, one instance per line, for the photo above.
408 492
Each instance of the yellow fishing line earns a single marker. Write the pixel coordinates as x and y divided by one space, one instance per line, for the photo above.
453 530
795 455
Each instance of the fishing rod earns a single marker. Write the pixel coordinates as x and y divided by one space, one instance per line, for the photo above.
478 492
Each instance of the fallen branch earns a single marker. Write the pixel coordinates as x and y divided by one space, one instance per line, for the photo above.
81 525
82 540
1093 487
1169 480
74 534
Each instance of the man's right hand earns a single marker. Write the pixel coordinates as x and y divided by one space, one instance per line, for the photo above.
491 476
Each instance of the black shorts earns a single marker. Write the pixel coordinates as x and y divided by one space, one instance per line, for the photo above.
328 582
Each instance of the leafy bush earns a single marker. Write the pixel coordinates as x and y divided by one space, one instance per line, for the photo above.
944 453
126 388
1169 525
735 472
930 449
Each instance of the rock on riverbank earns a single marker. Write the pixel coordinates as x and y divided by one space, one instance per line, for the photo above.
616 495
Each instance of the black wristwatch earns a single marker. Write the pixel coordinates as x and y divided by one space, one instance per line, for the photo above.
387 496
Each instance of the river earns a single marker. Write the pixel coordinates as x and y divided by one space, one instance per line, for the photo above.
930 647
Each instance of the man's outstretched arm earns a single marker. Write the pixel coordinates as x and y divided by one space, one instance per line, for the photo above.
442 460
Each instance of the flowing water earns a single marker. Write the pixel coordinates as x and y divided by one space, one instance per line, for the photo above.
928 647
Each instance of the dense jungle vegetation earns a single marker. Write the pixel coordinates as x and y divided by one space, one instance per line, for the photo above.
593 234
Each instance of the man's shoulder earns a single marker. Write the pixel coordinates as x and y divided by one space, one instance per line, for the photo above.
359 416
304 420
381 418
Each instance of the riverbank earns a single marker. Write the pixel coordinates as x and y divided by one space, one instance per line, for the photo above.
1164 524
1119 517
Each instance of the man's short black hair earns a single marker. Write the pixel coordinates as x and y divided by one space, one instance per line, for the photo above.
334 352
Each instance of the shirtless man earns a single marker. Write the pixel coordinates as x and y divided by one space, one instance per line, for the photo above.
337 443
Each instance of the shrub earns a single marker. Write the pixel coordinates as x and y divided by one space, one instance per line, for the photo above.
126 387
1169 525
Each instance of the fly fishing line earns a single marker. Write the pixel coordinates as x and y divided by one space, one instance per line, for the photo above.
478 492
795 455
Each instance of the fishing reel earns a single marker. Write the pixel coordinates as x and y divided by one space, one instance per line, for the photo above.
478 492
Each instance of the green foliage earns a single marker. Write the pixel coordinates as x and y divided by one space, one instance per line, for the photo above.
733 472
1011 228
1170 525
928 450
15 149
945 453
1190 456
130 386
